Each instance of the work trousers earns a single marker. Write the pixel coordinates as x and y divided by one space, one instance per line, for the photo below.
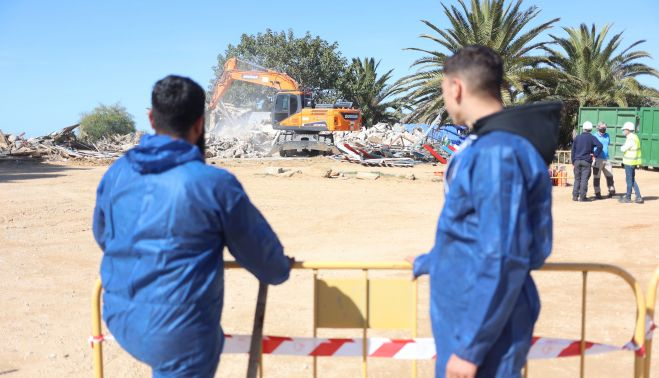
581 176
603 166
630 176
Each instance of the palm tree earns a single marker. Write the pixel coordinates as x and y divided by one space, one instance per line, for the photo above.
372 93
599 73
492 23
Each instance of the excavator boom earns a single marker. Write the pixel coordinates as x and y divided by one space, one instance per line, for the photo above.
268 78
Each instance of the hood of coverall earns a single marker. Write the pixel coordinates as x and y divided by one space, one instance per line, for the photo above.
158 153
538 123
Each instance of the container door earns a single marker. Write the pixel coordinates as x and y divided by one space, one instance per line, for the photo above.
648 132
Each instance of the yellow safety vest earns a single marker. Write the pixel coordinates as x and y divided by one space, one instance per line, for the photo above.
633 155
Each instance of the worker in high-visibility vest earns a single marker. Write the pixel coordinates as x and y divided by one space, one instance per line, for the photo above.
631 159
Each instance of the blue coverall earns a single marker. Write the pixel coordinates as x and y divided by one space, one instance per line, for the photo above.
495 227
163 218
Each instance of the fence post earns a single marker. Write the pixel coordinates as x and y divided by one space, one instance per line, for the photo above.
650 302
97 345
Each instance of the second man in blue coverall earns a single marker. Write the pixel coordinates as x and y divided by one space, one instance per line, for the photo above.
495 226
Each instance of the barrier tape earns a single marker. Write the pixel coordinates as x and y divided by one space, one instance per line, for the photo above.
650 326
402 349
99 339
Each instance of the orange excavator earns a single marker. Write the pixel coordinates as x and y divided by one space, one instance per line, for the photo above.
303 127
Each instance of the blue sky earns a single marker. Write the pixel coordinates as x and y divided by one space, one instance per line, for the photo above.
61 58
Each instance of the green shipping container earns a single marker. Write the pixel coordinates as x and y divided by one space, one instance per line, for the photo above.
648 133
614 119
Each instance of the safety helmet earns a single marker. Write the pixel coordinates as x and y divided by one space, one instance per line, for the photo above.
629 126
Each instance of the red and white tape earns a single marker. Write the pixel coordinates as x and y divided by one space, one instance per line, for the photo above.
406 349
403 349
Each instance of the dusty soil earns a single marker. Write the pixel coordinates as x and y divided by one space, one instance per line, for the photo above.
48 262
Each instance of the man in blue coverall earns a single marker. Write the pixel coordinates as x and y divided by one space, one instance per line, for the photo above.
495 226
163 218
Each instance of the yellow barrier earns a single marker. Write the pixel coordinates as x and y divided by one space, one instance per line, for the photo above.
639 329
650 302
640 364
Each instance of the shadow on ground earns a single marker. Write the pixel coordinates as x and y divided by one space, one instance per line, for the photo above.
14 170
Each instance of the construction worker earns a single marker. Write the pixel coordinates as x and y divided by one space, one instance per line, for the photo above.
602 163
584 147
631 159
163 218
496 224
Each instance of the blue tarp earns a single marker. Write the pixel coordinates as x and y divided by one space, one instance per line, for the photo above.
453 134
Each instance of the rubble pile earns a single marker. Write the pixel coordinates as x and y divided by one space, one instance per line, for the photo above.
253 145
118 143
249 135
383 136
400 145
239 133
383 145
59 145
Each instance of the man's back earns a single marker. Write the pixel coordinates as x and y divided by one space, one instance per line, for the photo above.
163 218
605 140
584 146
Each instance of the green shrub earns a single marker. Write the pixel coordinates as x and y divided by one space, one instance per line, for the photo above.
104 121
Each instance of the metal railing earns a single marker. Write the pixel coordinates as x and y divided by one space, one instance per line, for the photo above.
640 363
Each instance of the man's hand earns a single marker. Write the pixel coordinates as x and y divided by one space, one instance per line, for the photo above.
291 261
410 259
459 368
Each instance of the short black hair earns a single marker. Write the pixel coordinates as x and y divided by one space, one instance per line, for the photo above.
480 66
176 103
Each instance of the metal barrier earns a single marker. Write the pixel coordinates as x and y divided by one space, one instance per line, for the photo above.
639 329
650 302
563 157
640 363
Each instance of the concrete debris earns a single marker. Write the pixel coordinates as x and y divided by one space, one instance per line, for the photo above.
368 175
119 143
249 145
397 146
273 171
371 175
59 145
281 172
235 132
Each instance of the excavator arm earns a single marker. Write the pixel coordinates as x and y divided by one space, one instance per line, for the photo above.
267 78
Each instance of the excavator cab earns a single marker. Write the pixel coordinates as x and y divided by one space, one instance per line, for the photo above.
289 103
286 104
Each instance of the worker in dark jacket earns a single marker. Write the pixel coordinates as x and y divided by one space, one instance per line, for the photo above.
585 147
163 218
495 226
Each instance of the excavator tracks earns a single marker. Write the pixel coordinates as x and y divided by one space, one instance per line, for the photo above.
291 143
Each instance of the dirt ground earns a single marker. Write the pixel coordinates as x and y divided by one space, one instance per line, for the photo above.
49 260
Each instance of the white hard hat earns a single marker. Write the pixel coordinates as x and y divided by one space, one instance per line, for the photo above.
628 126
587 125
